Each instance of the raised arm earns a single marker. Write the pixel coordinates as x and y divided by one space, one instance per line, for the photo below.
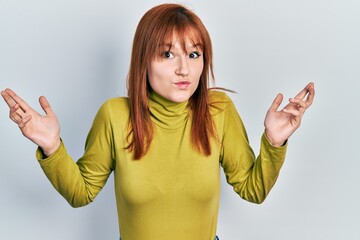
78 182
253 178
43 130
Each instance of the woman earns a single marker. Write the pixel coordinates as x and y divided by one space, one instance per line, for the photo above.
166 141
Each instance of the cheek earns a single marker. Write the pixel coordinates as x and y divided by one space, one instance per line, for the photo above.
159 71
153 75
199 69
159 76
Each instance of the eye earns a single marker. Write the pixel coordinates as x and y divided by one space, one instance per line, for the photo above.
194 55
168 54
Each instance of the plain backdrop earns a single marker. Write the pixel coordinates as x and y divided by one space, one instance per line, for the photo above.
77 52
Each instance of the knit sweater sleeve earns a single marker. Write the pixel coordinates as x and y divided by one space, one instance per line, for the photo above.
79 182
251 177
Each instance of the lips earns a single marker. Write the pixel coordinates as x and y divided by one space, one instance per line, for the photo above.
182 84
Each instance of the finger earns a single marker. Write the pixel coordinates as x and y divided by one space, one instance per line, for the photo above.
16 110
300 105
11 99
295 113
16 114
299 102
16 118
24 121
45 105
277 102
305 91
311 94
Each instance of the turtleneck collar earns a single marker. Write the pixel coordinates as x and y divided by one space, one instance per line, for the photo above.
165 113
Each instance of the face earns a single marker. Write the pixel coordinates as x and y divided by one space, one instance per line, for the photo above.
176 73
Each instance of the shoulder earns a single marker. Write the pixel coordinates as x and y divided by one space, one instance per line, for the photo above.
219 101
118 103
219 96
115 108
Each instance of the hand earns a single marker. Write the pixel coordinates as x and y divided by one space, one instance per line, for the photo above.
42 130
280 125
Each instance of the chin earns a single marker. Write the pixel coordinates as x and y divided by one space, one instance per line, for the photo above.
180 99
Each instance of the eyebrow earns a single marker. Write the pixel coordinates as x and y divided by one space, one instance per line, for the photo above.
170 45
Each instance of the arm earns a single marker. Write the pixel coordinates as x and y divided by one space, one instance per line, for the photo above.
252 178
78 182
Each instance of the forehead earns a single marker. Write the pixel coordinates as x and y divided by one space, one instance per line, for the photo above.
185 38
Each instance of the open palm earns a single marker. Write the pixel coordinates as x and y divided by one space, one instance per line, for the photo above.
43 130
280 125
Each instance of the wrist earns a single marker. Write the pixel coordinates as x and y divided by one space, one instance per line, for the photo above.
273 141
51 149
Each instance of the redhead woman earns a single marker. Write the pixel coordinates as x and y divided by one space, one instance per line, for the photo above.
167 141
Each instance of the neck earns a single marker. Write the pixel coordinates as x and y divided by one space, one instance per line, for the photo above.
166 113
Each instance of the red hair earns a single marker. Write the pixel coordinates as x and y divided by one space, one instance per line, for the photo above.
156 27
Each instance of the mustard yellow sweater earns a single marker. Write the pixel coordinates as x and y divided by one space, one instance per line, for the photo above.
173 191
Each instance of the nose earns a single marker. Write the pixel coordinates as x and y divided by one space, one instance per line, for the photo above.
182 68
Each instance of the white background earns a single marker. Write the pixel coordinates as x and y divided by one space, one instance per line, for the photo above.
76 53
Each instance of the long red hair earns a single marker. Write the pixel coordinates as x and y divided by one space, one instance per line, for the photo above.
156 27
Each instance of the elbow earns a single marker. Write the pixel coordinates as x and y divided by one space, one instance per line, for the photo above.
257 196
258 199
77 203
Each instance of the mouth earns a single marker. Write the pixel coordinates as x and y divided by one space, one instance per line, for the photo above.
182 84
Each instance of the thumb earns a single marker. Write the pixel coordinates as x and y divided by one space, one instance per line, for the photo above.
276 103
45 105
